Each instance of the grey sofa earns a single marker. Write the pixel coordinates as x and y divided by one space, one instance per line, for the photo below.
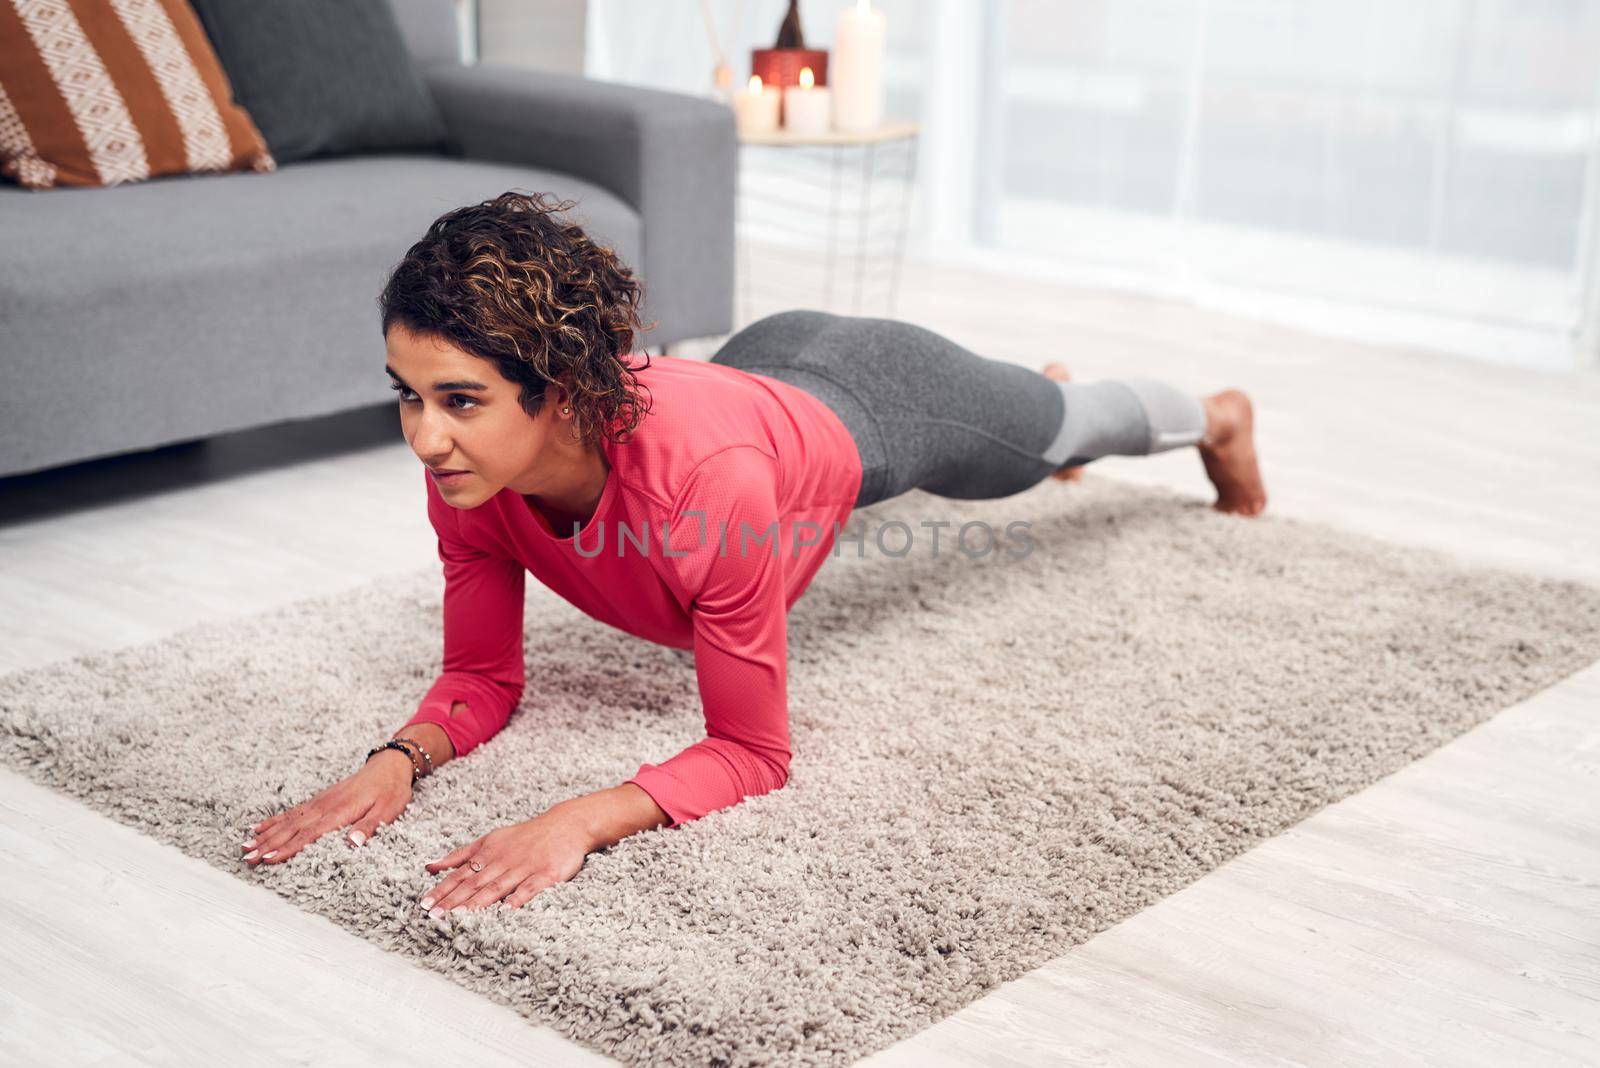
179 308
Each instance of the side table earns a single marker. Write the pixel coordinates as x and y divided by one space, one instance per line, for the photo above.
820 203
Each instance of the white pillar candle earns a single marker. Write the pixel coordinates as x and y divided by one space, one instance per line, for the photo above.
807 107
755 109
857 68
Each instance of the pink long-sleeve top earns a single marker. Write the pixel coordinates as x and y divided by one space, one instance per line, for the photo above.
751 455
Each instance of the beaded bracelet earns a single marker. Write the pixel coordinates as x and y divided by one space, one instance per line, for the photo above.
403 740
392 744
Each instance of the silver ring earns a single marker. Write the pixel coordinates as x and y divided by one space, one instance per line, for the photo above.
477 865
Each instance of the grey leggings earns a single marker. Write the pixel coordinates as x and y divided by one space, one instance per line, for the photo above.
927 413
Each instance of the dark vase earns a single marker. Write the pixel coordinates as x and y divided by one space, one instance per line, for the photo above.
790 34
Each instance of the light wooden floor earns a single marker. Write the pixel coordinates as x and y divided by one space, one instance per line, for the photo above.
1446 915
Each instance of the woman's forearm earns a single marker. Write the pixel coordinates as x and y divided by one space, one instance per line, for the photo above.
616 812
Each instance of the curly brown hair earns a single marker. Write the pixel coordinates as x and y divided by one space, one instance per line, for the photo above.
512 282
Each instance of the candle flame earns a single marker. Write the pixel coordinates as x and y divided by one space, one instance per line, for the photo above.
755 83
807 79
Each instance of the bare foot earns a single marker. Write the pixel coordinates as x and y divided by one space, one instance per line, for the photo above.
1062 474
1228 451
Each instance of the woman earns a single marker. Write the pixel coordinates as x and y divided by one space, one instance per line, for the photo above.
656 496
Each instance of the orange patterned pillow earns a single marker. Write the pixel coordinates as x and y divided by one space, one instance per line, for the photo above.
99 92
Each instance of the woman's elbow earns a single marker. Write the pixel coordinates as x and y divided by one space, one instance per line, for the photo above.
778 769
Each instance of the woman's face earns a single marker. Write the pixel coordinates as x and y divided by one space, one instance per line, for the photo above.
459 414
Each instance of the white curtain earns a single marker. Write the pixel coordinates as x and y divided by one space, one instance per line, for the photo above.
1420 173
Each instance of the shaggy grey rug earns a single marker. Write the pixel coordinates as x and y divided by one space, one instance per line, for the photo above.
995 757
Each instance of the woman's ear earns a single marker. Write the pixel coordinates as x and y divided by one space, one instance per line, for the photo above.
561 392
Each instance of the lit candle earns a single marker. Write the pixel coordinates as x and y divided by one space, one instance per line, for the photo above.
755 110
807 107
856 69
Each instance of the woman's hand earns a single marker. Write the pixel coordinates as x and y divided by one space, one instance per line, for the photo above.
516 862
377 793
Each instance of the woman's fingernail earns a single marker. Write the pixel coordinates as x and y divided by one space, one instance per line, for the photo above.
427 903
437 914
357 837
251 855
269 856
250 843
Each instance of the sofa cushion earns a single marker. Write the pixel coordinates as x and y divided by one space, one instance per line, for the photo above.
432 31
97 94
358 213
254 297
324 78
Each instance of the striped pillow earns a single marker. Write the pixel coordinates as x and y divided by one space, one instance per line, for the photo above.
100 92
